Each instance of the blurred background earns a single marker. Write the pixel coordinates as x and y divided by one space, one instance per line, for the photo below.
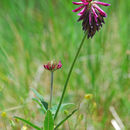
33 32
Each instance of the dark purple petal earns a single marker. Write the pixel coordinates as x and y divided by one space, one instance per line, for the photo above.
45 66
82 11
59 65
83 0
80 18
90 19
100 10
95 15
79 8
101 3
77 3
86 3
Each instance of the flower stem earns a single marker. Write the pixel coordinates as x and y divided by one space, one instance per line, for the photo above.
65 119
51 88
68 77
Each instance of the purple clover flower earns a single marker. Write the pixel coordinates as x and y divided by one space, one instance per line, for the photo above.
91 14
52 66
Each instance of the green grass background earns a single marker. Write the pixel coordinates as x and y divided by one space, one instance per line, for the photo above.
33 32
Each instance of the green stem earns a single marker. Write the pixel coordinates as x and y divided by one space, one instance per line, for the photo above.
51 93
68 77
65 119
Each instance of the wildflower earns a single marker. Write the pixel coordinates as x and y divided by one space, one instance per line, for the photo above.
88 96
24 128
3 114
91 14
52 66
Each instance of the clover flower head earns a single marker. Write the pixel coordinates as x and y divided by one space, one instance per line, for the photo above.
52 66
91 14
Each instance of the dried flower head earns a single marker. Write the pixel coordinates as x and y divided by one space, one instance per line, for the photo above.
52 66
91 14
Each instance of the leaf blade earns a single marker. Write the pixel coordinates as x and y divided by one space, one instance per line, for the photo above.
40 104
29 123
63 107
40 97
37 94
49 121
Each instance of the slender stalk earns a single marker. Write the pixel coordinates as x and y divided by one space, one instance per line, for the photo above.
68 77
51 93
65 119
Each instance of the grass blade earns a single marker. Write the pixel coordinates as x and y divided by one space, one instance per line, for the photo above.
29 123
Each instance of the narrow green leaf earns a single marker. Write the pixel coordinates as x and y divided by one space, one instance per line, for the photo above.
45 104
29 123
40 104
66 106
40 97
38 94
53 109
49 121
59 124
63 107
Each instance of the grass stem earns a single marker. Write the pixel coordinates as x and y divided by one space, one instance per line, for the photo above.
68 77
